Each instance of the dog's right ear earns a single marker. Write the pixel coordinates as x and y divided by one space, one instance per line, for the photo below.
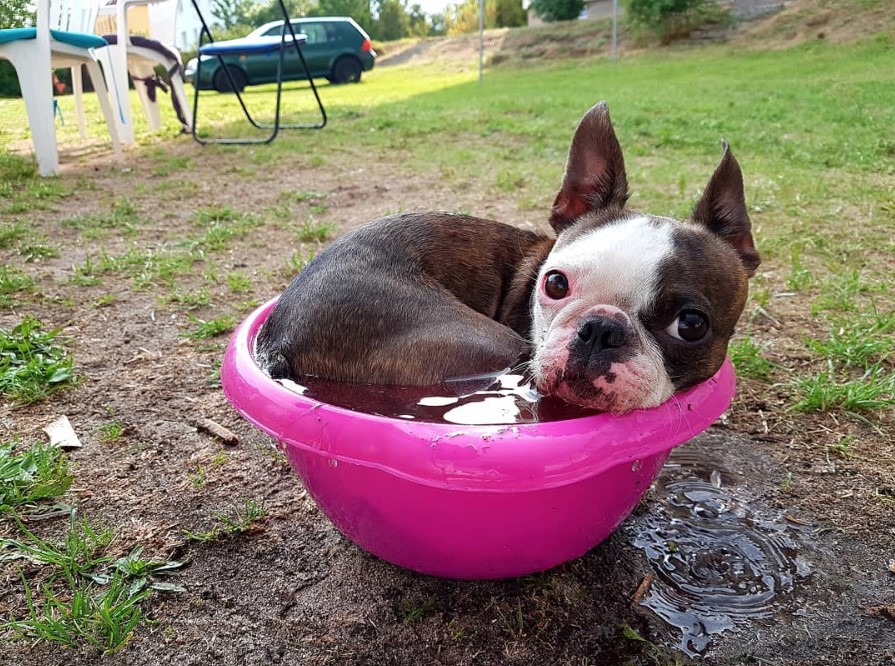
595 173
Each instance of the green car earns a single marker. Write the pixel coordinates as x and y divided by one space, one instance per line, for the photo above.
337 49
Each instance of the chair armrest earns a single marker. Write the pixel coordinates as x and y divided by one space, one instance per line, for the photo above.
121 7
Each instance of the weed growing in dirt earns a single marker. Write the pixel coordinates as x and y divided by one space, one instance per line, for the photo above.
197 478
84 275
31 474
410 612
111 431
843 445
10 233
12 283
190 299
875 389
656 654
800 277
239 283
37 248
241 519
746 357
212 327
142 572
297 262
31 364
312 231
301 196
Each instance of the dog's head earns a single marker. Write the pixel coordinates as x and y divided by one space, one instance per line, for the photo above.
629 307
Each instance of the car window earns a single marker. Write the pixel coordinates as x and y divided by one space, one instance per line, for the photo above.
276 31
333 34
315 32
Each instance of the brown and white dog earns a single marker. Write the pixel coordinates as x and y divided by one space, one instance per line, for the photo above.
616 313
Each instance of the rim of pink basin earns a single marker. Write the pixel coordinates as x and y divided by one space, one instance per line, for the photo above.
482 458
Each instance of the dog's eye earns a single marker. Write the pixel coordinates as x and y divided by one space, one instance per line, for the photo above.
556 285
690 326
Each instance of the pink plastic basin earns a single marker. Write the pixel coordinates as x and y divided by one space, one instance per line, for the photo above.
468 501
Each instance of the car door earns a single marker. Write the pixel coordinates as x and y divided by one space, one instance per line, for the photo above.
264 65
317 50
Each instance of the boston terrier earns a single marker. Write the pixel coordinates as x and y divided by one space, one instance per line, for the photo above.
615 313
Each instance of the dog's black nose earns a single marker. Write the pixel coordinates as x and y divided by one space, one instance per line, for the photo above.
599 333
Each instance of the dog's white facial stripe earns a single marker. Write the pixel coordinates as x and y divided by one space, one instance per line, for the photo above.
620 260
616 264
613 268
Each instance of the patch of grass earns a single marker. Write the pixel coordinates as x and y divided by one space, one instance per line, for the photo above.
301 196
800 277
858 341
239 283
121 216
875 389
297 262
312 231
85 598
13 282
168 163
82 550
31 474
145 266
190 299
32 365
16 169
746 357
212 327
509 180
239 520
222 224
11 233
37 249
105 300
82 613
844 292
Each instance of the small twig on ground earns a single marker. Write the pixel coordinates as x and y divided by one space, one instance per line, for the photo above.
642 589
217 430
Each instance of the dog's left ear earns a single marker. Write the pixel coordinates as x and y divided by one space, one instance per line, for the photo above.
595 173
722 210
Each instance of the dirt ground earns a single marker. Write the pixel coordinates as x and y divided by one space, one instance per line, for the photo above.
294 590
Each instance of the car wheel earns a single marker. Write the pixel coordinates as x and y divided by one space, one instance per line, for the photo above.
346 70
222 82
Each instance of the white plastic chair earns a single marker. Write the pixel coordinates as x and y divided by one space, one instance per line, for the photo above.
58 40
139 56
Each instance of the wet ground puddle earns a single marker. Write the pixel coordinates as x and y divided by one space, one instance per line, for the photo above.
717 561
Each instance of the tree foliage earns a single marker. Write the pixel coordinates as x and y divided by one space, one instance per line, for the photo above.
16 14
557 10
231 13
674 19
